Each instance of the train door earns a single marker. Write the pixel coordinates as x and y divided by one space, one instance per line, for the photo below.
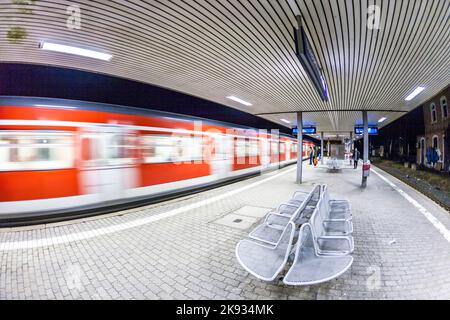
265 153
288 150
108 163
223 156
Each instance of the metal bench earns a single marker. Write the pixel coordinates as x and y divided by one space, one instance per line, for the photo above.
275 222
332 237
337 209
299 196
264 261
322 252
334 164
309 267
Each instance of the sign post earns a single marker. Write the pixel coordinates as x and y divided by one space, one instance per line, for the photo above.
366 164
299 147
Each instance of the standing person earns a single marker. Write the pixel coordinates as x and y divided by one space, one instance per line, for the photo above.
311 155
316 155
355 158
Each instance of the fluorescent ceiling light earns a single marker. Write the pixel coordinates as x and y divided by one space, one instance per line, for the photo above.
53 106
382 120
245 103
74 50
415 93
285 121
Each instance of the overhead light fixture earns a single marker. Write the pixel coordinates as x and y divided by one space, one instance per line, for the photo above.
245 103
382 120
76 51
415 93
286 121
54 107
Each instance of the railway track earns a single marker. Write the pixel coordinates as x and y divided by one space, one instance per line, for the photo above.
399 175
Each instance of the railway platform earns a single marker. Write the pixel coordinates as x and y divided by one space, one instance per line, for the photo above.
184 248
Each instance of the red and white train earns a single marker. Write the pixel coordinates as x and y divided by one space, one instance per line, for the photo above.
61 156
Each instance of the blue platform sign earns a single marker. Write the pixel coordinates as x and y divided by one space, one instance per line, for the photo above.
306 130
373 131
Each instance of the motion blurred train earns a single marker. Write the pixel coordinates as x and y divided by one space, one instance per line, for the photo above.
61 156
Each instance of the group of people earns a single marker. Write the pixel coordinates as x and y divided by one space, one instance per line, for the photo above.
314 155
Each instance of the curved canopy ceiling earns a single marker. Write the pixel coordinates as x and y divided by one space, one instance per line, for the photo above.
217 48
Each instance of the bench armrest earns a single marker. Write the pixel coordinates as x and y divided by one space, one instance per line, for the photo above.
300 192
339 201
286 205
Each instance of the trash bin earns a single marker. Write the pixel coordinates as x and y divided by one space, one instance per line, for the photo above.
366 169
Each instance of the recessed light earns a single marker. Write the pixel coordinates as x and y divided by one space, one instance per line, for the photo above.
285 121
382 120
415 93
245 103
76 51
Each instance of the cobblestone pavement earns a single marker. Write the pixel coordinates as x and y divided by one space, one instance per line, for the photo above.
399 254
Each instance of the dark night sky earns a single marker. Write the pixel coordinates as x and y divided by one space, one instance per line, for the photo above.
53 82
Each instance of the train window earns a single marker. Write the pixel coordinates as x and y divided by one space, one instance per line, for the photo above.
120 149
241 148
294 147
274 147
253 148
163 148
187 149
106 149
34 150
282 147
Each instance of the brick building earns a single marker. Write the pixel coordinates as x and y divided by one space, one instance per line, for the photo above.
433 148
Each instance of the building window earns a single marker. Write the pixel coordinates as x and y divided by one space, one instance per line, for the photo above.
443 150
422 147
433 113
444 107
435 142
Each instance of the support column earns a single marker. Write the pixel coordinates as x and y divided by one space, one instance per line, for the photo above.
352 147
299 147
322 151
366 146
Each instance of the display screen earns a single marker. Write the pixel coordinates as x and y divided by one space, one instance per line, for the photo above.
309 62
307 130
372 130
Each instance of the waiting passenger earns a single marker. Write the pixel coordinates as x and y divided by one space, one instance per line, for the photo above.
355 158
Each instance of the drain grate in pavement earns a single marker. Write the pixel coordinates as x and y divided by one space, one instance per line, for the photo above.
250 211
235 221
243 218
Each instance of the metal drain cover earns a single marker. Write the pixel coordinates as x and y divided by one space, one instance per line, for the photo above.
250 211
236 221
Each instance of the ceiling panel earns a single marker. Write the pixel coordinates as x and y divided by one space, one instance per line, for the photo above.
216 48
